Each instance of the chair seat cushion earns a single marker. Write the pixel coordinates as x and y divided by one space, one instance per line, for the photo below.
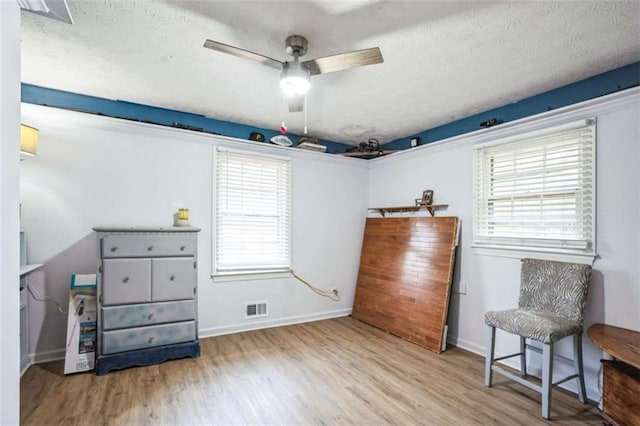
544 327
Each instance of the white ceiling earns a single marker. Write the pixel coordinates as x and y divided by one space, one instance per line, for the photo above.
443 60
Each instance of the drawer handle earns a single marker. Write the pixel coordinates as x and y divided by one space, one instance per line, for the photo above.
149 248
182 248
172 277
114 248
150 340
125 280
150 316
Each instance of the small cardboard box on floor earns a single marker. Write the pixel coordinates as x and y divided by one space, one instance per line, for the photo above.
81 325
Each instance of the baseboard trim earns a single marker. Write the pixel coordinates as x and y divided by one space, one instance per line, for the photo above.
46 356
592 392
26 367
268 323
466 345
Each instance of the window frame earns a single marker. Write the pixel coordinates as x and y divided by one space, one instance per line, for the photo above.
266 272
501 245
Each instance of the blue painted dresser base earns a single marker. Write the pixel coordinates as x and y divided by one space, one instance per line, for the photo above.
144 357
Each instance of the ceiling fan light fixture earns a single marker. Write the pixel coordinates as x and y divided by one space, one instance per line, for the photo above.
294 86
294 79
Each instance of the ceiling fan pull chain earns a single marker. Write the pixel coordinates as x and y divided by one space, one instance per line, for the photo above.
305 113
283 127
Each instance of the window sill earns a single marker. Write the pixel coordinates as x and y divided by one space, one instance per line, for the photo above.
248 275
534 253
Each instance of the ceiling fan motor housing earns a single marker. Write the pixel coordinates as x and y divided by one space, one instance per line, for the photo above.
296 45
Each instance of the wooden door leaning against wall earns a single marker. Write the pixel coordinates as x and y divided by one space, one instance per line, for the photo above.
404 281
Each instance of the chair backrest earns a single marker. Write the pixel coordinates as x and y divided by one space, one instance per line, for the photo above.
556 287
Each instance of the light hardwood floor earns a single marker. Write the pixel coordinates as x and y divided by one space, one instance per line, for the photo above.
338 371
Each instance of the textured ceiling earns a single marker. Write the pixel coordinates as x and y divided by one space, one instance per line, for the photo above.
442 60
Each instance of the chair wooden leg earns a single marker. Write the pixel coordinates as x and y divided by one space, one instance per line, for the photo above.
577 364
491 340
523 357
547 378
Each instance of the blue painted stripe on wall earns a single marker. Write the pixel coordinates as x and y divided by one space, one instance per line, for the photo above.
138 112
599 85
593 87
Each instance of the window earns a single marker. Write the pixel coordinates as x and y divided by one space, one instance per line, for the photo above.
252 213
537 191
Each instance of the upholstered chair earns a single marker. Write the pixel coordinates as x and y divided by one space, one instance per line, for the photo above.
551 307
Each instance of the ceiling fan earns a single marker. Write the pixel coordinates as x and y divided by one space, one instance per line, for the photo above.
294 75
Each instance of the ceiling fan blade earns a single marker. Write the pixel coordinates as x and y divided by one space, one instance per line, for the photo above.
344 61
236 51
296 103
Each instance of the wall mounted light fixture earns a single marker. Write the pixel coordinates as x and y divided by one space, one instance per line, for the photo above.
28 140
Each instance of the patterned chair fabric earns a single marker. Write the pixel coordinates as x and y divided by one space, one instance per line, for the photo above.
544 327
555 287
552 301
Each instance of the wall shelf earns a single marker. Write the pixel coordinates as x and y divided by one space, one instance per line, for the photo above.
430 208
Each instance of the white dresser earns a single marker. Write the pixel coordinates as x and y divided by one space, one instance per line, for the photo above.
147 296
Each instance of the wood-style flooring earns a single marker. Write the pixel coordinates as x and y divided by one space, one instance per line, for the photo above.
338 371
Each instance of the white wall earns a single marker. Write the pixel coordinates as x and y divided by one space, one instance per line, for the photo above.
96 171
492 283
9 218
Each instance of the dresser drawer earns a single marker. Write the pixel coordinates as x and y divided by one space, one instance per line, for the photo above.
147 337
126 281
148 245
174 278
152 313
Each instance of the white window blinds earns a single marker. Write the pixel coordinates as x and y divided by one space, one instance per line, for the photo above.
252 221
537 191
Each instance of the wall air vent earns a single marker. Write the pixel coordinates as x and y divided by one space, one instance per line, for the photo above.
256 309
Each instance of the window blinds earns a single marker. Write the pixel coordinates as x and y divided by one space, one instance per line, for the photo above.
538 190
253 203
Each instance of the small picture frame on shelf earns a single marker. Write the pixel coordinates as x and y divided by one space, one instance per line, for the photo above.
427 197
